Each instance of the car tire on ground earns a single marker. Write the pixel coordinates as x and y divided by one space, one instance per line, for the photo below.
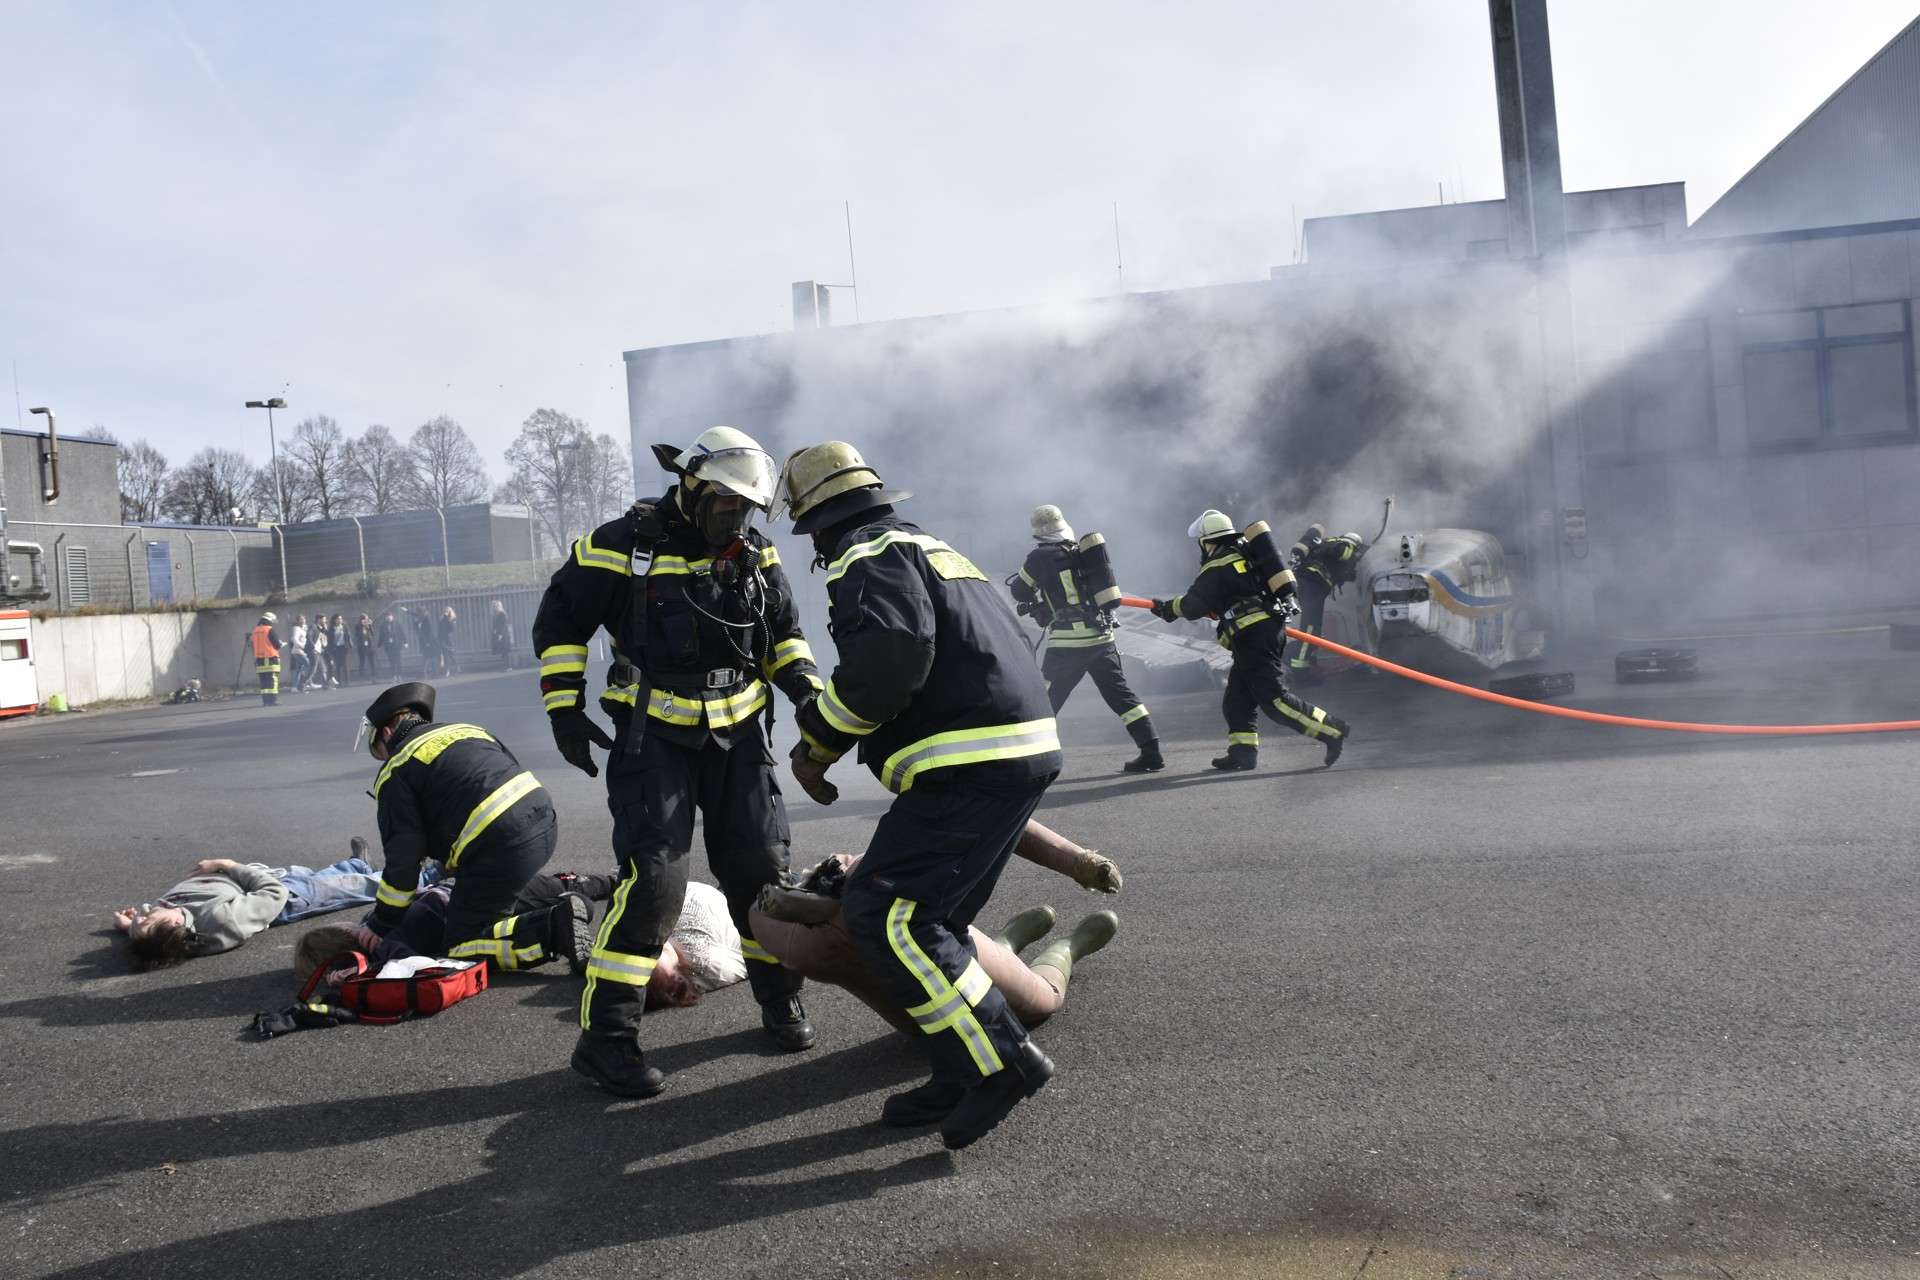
1538 686
1631 666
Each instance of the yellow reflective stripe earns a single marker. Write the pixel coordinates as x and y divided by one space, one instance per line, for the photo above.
841 716
1230 558
503 798
627 693
813 682
893 537
754 951
1246 620
974 983
589 556
663 705
769 557
561 699
1174 604
428 747
1314 726
564 667
1243 739
1137 713
968 746
1068 640
1027 577
620 966
946 1008
722 712
388 896
1066 585
785 654
501 952
665 565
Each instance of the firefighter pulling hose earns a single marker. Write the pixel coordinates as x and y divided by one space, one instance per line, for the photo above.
1577 713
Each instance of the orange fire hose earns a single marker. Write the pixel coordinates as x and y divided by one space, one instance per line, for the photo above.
1575 713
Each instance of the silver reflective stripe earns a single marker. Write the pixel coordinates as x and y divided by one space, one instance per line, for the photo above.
931 1019
974 983
969 746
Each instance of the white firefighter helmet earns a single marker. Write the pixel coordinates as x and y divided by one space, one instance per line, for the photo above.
1212 524
817 475
268 617
727 458
1050 524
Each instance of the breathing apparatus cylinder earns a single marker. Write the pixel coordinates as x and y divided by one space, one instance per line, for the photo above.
1263 553
1095 570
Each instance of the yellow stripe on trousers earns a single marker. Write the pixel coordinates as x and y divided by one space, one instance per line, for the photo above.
955 1010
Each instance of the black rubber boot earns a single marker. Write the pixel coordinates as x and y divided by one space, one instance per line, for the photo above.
1148 761
1336 745
786 1021
570 932
917 1108
589 886
616 1064
987 1103
1239 759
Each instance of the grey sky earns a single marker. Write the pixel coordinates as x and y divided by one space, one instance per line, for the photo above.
388 212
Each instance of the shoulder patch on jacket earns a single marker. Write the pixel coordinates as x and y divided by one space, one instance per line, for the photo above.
951 564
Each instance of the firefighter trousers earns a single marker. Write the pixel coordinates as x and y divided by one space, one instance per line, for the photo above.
654 789
1257 683
268 669
1064 667
1312 594
488 889
933 863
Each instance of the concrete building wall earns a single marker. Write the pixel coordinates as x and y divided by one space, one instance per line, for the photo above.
110 564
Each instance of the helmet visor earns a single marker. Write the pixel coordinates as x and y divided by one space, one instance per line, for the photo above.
746 473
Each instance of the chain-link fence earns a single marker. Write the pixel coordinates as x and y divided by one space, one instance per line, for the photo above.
140 566
455 630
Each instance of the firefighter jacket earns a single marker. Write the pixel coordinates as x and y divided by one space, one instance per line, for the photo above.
1229 591
1050 582
1335 561
697 637
935 682
266 642
447 792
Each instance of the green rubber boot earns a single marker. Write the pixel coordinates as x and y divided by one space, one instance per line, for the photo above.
1091 934
1026 928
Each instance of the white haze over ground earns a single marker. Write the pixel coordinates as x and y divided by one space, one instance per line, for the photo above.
389 213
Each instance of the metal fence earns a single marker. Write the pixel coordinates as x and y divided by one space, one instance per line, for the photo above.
136 566
472 632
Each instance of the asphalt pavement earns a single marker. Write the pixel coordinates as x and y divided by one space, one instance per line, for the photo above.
1499 995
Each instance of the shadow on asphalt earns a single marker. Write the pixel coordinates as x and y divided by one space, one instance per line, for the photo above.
1077 791
560 1176
144 1002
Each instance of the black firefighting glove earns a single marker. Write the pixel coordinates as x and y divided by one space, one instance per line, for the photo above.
575 733
1163 610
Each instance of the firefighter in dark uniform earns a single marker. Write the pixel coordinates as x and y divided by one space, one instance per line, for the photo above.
1252 625
266 659
937 689
698 636
454 794
1321 566
1079 639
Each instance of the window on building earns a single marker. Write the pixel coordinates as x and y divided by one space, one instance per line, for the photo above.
1659 400
13 650
79 577
1832 376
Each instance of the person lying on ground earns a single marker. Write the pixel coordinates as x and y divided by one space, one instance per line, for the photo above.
223 903
422 931
806 930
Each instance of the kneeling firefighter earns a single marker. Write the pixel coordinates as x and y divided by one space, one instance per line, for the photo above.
937 688
1245 585
1321 566
454 794
701 627
1069 588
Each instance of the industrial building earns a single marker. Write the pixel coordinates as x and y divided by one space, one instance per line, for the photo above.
1666 423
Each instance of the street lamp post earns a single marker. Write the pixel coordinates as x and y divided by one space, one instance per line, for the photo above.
279 484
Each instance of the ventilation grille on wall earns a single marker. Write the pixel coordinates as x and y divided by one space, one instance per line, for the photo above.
79 577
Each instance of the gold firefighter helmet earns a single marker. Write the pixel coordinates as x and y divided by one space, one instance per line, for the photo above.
824 483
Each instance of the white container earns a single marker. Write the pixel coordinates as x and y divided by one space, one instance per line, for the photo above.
17 692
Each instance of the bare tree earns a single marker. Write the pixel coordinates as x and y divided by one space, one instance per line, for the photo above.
293 483
211 489
144 475
606 480
318 453
447 468
379 471
546 458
